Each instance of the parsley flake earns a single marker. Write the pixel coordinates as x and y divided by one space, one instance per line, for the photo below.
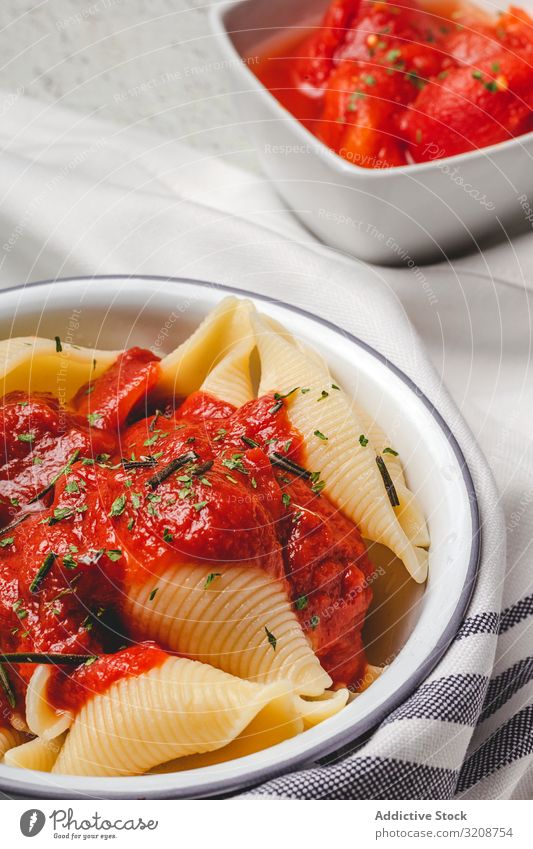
271 638
118 506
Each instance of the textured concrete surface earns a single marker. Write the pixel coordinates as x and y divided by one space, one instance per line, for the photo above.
152 63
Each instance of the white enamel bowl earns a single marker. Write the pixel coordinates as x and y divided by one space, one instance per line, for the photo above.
116 313
410 214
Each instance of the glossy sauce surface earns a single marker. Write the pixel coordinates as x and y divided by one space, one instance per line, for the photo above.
104 496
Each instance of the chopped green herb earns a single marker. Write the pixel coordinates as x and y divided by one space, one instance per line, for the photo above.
278 396
210 578
152 440
235 464
18 610
304 391
69 562
321 435
118 506
301 603
93 418
167 536
6 686
152 594
60 513
25 437
334 386
114 554
199 506
393 55
6 541
72 487
253 483
221 433
43 571
59 346
390 451
323 395
286 499
314 621
363 441
387 480
250 442
170 468
271 638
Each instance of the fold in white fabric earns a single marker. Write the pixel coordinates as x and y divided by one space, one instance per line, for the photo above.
80 197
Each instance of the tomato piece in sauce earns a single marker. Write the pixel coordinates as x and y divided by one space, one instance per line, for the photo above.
70 691
318 50
384 85
38 438
108 401
470 109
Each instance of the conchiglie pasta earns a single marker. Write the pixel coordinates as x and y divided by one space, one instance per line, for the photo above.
226 622
32 364
231 380
409 513
185 369
9 738
279 720
36 754
315 711
42 718
350 472
179 708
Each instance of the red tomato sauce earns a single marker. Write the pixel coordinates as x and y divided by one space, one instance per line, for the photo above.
70 692
386 84
108 494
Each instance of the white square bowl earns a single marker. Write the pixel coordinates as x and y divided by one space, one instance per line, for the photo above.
409 214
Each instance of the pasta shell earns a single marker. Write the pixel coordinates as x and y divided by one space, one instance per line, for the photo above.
42 718
185 369
279 720
231 380
226 622
33 364
35 754
315 711
352 478
176 709
409 513
9 738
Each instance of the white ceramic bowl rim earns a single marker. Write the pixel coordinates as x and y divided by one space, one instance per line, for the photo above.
160 786
218 13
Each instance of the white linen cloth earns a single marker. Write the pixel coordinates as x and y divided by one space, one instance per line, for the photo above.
80 197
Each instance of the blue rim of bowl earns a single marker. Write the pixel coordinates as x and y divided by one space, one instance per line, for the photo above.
361 728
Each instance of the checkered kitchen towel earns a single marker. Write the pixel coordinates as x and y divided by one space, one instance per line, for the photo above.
82 197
